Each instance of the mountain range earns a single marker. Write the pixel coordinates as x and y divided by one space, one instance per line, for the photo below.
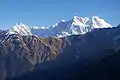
80 48
75 26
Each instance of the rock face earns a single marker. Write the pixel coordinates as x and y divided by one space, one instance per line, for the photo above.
19 54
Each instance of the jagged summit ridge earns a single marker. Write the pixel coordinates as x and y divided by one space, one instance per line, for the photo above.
75 26
21 29
78 26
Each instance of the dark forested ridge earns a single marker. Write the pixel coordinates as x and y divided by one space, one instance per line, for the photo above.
103 68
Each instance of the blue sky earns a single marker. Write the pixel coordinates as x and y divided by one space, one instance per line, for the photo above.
48 12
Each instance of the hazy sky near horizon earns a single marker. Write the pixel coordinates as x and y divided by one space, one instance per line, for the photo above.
48 12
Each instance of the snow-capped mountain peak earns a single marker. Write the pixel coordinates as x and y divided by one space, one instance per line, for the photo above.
21 29
54 25
36 27
78 25
63 21
99 23
79 20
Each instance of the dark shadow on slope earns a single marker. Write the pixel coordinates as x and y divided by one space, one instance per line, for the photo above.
106 67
